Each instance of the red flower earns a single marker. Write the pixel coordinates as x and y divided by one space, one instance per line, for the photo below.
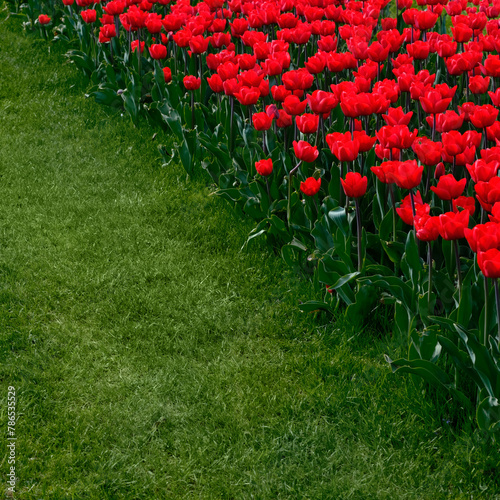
264 167
482 171
384 171
108 31
198 44
483 116
247 95
167 74
311 186
135 44
89 15
293 105
299 79
406 174
396 116
488 193
452 225
405 210
261 121
397 136
454 143
465 203
227 70
43 19
307 123
483 237
479 84
427 151
321 102
461 33
284 120
215 83
432 102
426 227
158 51
365 141
115 7
354 185
448 187
191 82
154 23
418 50
343 146
489 263
425 19
305 152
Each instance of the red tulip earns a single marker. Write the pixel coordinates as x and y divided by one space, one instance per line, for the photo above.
191 82
293 105
425 19
261 121
89 15
43 19
482 171
452 225
154 23
483 116
465 203
365 141
448 187
405 210
488 193
310 186
158 51
384 171
489 263
426 227
264 167
419 50
432 102
483 237
406 174
167 74
396 116
354 185
478 84
397 136
321 102
307 123
247 95
304 151
427 151
215 83
343 146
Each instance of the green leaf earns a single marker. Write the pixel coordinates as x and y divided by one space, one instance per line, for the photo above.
315 305
488 414
430 373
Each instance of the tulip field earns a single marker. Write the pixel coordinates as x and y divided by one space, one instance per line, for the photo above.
361 137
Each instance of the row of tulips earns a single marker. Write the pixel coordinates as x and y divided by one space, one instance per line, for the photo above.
362 136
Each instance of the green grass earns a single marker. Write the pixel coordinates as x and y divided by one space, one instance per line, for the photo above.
153 359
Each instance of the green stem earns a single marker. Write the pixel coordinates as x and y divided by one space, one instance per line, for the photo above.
485 333
497 300
358 229
459 274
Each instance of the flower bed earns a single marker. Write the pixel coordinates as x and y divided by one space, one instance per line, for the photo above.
366 148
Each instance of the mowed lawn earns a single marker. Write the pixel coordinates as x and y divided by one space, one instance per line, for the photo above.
152 359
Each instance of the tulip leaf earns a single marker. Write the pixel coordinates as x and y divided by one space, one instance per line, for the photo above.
322 236
315 305
425 345
488 414
357 313
430 373
482 361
